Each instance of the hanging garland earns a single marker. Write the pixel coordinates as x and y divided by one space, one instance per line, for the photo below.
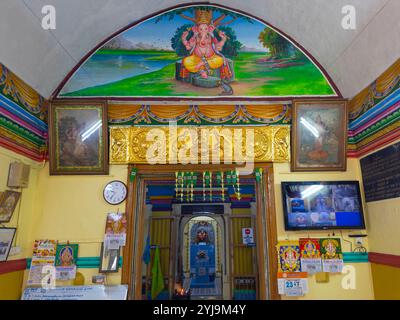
185 182
211 187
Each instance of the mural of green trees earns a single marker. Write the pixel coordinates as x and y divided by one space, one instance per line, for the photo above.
277 45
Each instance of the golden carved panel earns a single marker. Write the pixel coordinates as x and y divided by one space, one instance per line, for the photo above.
205 144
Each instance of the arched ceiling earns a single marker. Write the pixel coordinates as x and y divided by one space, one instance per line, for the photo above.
353 58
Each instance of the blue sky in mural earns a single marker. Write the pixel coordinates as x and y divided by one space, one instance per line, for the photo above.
159 33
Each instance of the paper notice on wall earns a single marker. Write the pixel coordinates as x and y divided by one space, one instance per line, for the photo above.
38 261
66 273
94 292
248 236
292 284
44 252
332 266
311 266
114 241
37 275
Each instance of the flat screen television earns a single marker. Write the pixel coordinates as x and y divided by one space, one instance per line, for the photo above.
316 205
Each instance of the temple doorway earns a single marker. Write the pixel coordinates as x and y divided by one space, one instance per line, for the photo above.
204 243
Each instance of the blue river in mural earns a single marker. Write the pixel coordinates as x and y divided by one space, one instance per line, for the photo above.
107 68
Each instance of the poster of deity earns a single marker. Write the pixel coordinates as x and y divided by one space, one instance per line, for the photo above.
288 256
66 258
115 234
310 255
66 255
320 135
331 248
198 51
331 254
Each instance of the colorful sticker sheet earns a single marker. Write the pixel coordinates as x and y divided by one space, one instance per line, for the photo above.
331 254
44 248
310 255
44 254
288 256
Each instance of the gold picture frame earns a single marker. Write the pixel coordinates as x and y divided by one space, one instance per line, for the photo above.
78 138
319 135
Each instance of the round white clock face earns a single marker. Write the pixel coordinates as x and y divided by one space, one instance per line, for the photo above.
115 192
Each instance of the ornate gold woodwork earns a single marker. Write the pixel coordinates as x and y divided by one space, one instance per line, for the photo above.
144 145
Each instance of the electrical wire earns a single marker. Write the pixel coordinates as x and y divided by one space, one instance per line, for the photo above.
348 241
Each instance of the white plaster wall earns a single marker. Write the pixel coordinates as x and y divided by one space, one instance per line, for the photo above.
353 58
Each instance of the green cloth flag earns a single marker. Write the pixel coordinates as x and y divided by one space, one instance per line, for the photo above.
157 280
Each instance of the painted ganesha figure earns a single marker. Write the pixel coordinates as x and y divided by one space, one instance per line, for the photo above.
205 66
204 47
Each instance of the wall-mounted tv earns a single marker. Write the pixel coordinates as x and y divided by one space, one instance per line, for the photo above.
317 205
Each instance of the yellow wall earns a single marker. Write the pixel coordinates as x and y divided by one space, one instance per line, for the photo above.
333 289
384 237
384 219
23 219
72 208
384 222
10 285
24 212
386 282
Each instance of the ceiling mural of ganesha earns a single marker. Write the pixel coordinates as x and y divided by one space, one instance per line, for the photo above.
198 51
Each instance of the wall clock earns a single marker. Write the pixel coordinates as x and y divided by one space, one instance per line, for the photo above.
115 192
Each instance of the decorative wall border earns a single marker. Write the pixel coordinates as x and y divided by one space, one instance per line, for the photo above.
134 114
130 145
375 114
23 116
383 86
15 89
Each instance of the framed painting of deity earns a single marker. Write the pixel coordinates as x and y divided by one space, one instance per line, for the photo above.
319 135
78 138
8 202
